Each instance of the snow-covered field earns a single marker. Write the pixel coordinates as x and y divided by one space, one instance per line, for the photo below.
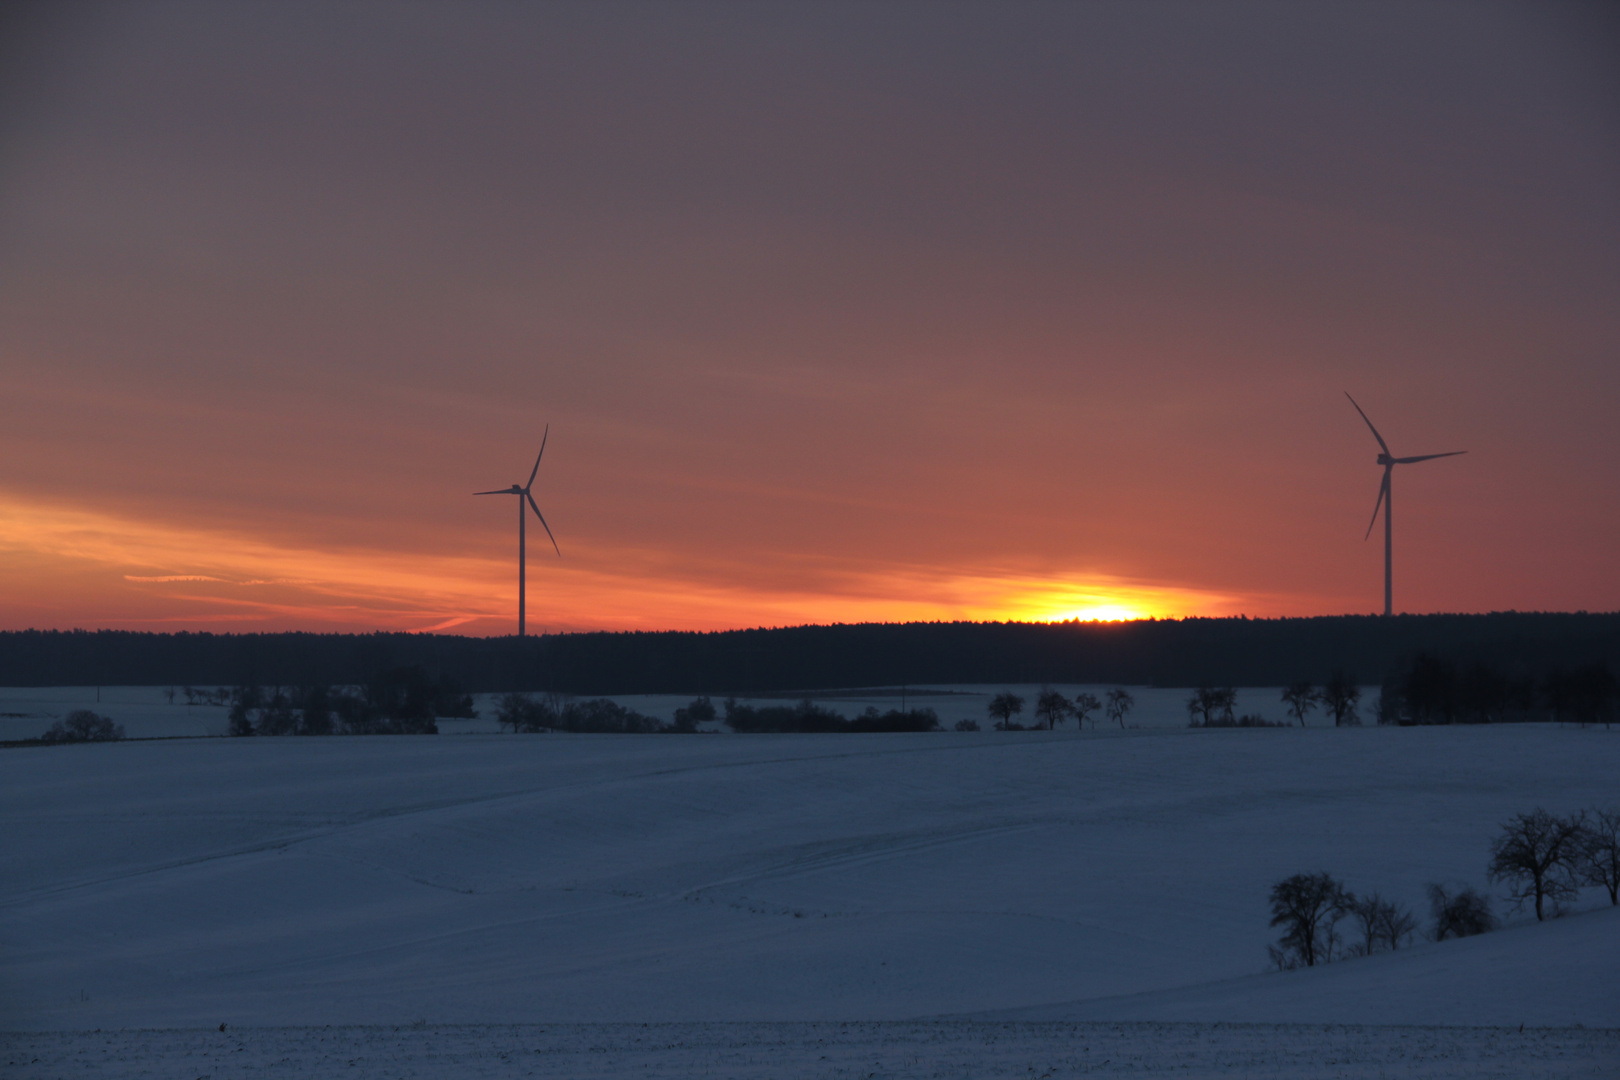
894 1050
1017 891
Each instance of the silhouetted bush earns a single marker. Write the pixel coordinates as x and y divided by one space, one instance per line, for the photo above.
687 718
1463 913
967 725
806 716
1308 907
1539 856
83 725
600 716
594 716
397 701
1245 720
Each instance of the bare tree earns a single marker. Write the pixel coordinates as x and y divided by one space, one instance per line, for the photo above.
1119 704
1084 705
1207 701
1308 907
1340 696
1600 852
1537 855
1301 698
1052 707
1463 913
1004 707
1383 925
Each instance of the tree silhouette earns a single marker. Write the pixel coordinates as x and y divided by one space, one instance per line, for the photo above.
1004 707
1084 705
1537 855
1340 696
1308 908
1052 707
1301 698
1206 701
1120 703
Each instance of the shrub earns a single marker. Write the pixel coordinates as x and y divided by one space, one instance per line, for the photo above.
601 716
967 725
1308 907
687 718
807 716
1463 913
403 701
1245 720
83 725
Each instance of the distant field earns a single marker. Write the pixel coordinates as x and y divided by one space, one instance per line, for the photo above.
499 879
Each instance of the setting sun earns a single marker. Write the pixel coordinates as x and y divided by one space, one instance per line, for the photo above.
1102 613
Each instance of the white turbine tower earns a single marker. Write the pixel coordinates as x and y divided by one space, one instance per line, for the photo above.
525 504
1388 461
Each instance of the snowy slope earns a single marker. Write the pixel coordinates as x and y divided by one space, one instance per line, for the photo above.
513 879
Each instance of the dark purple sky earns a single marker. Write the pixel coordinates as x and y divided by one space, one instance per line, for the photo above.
836 312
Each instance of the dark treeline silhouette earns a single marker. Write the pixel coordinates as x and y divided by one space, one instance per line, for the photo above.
1185 652
399 701
1436 690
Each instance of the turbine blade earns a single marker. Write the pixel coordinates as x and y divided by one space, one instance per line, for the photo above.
1426 457
503 491
543 524
1370 427
1383 492
537 458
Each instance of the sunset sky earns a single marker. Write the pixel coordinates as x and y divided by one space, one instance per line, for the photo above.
837 312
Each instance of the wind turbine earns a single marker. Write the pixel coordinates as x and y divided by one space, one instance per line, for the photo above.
525 503
1388 461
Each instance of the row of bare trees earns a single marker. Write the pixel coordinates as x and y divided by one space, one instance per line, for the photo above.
1542 858
1052 708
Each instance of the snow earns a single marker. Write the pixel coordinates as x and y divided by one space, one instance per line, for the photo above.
939 883
897 1050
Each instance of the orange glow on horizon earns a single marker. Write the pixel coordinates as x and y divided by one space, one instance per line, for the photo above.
93 569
